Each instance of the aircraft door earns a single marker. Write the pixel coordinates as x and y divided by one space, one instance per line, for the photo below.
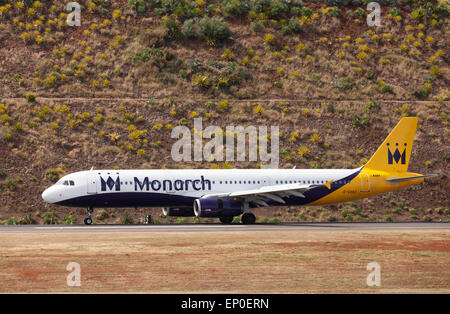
92 179
365 184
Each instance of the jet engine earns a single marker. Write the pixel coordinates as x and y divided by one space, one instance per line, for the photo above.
214 208
178 212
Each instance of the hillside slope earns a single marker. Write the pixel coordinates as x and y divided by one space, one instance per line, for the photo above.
107 93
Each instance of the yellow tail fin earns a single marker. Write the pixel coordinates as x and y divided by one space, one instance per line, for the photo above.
393 155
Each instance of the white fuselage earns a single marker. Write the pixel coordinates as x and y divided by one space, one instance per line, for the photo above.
133 188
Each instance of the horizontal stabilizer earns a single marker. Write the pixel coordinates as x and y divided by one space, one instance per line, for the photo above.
411 178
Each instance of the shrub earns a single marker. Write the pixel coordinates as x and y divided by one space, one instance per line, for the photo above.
126 219
139 6
257 26
316 138
11 185
27 220
11 221
223 105
53 174
30 98
435 70
173 29
334 11
189 29
214 30
329 107
294 25
202 81
386 89
50 218
304 151
102 215
234 8
331 218
307 12
269 39
421 93
69 220
359 12
277 9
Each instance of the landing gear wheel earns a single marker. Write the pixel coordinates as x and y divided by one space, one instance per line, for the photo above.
226 219
88 220
248 219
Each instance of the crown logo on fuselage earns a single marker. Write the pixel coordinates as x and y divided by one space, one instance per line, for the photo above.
110 183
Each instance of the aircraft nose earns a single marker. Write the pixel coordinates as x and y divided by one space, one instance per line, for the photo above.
46 195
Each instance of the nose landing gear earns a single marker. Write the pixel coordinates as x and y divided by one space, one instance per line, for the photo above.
88 220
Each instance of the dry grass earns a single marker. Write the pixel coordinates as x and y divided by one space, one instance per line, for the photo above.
214 262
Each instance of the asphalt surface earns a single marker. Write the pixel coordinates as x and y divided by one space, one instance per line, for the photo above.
226 228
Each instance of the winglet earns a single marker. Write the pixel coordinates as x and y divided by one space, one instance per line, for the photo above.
328 184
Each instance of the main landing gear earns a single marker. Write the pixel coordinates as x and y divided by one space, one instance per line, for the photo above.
248 219
226 219
88 220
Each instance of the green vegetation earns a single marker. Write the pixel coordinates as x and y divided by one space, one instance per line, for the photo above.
126 219
50 218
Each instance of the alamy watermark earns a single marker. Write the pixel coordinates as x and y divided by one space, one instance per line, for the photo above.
229 144
74 17
74 277
374 17
374 278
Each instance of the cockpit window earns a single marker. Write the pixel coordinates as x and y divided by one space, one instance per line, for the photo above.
71 182
66 182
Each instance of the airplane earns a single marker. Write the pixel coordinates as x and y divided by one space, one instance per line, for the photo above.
227 193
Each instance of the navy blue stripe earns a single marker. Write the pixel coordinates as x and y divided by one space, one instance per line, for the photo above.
129 199
316 193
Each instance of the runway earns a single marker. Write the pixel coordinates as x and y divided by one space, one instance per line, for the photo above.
227 228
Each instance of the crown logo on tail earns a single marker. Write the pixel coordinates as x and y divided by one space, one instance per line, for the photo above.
396 156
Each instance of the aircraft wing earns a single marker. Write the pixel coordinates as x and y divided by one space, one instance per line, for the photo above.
260 196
